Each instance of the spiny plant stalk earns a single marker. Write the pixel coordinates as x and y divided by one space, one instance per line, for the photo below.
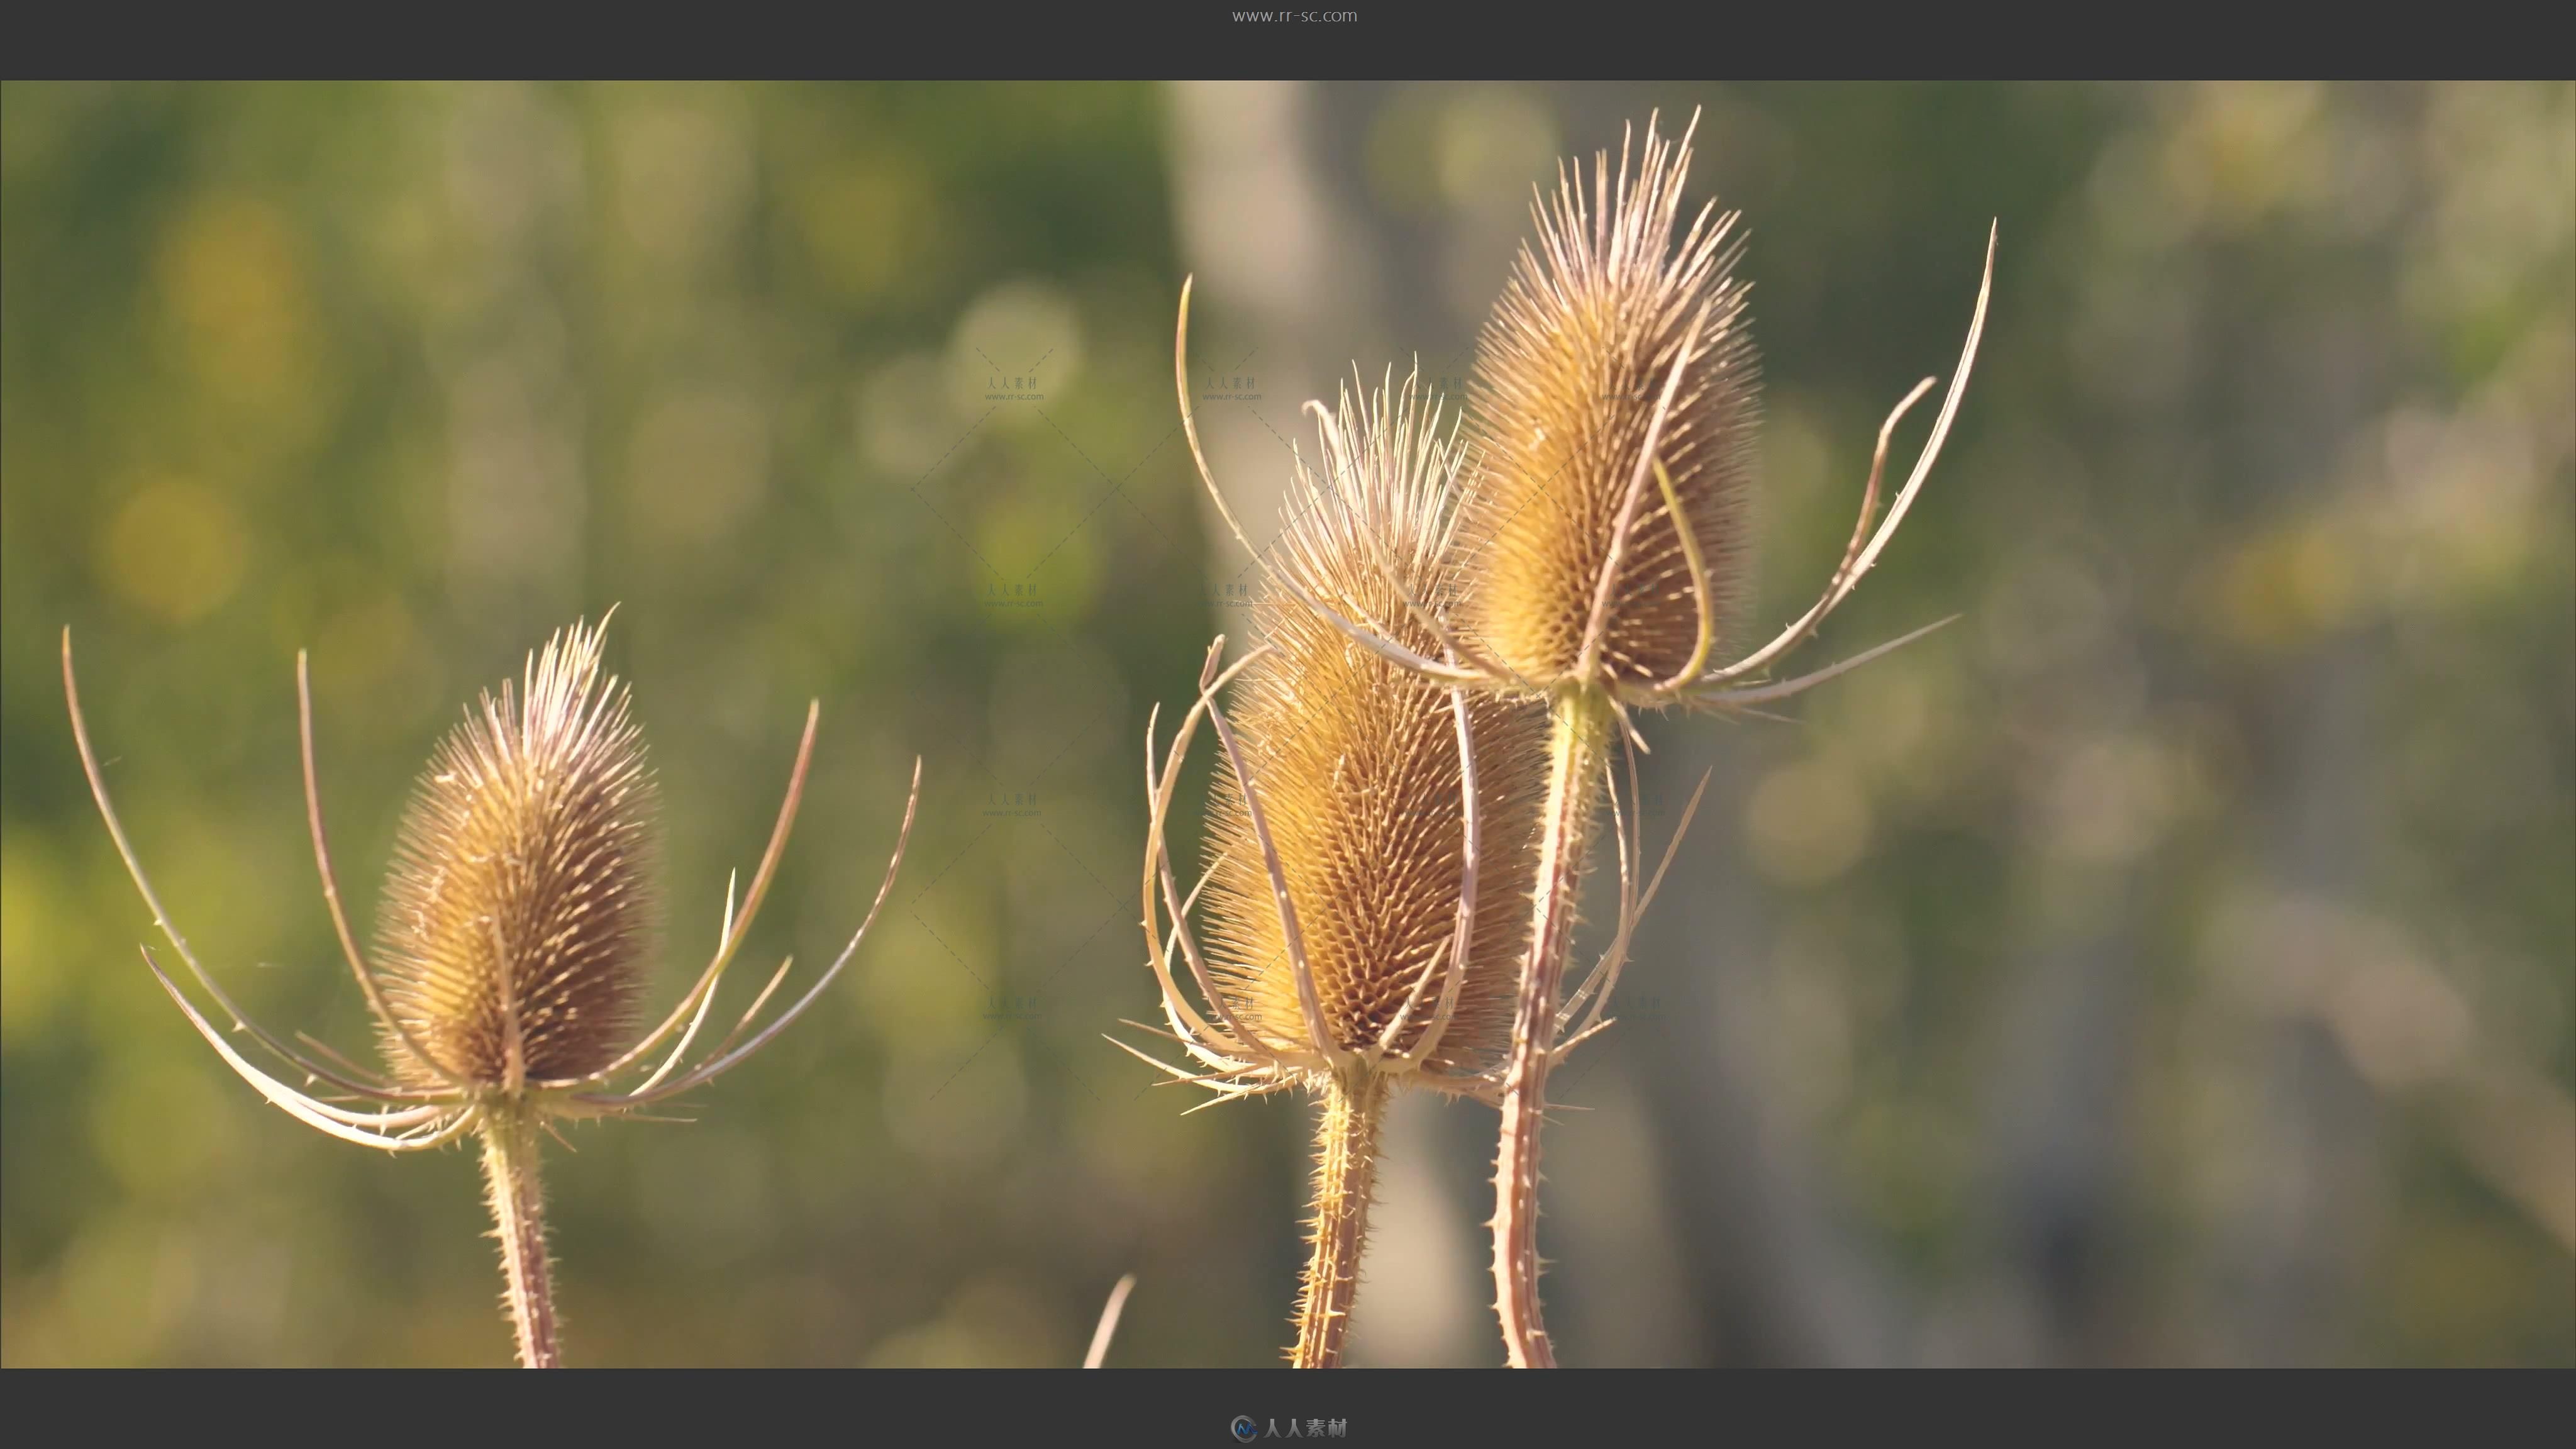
1579 736
1605 550
510 948
1345 1176
519 1221
1368 839
1613 358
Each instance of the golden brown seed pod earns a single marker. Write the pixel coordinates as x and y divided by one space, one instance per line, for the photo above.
512 937
1617 392
1606 556
1370 839
520 908
1574 373
1355 765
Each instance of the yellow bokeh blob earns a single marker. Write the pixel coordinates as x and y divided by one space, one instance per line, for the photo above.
174 550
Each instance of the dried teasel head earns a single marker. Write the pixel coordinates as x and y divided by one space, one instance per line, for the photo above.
1608 344
1606 557
1373 833
1607 543
515 925
512 941
520 905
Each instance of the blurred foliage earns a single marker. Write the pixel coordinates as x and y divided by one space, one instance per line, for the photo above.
2262 513
2251 771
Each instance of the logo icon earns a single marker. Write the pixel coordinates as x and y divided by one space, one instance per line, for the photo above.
1244 1429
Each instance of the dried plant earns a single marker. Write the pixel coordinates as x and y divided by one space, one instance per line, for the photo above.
1368 843
510 949
1614 360
1107 1328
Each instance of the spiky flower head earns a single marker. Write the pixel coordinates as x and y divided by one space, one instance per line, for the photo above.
521 906
1606 547
1611 349
512 940
1605 543
1339 839
515 925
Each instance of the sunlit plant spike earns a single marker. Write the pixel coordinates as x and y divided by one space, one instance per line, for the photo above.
517 917
1368 836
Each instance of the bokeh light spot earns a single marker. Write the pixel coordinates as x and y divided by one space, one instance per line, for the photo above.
174 550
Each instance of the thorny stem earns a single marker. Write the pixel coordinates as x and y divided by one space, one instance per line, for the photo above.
1579 736
519 1219
1345 1173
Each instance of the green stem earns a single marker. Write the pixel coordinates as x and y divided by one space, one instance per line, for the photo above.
1578 741
519 1218
1345 1172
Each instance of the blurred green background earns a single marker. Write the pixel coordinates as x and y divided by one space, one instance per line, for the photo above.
2174 962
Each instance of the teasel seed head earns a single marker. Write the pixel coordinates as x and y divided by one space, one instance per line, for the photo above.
1606 555
521 906
1606 544
1572 376
514 926
1370 839
1343 809
512 940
